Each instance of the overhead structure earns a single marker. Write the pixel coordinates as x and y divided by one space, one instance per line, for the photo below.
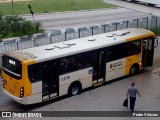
147 6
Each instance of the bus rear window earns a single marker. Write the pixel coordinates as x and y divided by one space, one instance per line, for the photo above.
12 67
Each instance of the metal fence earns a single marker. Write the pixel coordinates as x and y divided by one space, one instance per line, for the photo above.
72 33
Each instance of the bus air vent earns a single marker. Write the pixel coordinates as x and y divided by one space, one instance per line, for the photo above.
61 46
110 35
114 38
49 48
91 39
70 43
121 33
65 45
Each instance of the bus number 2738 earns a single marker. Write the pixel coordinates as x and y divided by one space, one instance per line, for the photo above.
65 78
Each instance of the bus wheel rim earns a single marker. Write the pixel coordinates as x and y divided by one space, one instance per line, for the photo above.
75 90
133 71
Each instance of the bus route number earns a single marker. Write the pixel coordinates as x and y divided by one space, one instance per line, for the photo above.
65 78
12 62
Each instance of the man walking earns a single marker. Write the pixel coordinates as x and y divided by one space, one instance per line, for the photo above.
132 91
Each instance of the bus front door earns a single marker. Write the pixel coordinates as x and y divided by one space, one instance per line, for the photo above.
148 51
50 81
99 67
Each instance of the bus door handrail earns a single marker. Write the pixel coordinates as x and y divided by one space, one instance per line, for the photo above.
156 42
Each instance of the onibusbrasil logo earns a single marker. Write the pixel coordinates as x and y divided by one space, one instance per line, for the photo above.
17 114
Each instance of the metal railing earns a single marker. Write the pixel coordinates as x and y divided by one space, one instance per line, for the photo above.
72 33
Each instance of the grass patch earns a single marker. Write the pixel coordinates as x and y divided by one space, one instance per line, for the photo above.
46 6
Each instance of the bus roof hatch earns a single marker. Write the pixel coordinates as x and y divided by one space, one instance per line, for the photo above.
121 33
65 45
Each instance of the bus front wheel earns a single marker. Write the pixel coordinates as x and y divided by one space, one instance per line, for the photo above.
74 88
134 70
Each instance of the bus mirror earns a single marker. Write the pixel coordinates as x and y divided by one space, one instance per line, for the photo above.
156 42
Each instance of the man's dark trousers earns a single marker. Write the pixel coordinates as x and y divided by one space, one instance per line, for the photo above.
132 103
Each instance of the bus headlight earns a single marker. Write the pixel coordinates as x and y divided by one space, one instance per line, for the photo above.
140 64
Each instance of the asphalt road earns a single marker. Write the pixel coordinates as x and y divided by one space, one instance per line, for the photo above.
65 20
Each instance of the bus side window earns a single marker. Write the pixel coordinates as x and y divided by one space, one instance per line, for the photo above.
75 62
125 50
82 62
128 49
134 47
79 62
67 64
89 60
108 54
112 53
71 64
122 50
34 73
63 65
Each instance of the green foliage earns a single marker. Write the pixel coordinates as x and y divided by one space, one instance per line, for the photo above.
46 6
27 28
15 26
0 15
156 31
4 28
37 25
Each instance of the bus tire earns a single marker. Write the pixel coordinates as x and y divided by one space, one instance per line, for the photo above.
151 5
75 88
133 1
134 70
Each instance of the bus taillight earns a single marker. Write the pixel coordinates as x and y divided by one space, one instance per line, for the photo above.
22 92
2 82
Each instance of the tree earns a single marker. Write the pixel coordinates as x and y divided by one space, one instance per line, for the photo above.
18 26
4 28
0 15
37 25
28 28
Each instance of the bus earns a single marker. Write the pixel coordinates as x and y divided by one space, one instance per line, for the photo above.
46 72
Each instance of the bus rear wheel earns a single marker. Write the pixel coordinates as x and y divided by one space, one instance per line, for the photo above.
74 89
133 1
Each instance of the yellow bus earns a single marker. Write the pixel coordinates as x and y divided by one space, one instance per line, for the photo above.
42 73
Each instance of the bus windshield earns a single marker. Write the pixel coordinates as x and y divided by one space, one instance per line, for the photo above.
12 67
